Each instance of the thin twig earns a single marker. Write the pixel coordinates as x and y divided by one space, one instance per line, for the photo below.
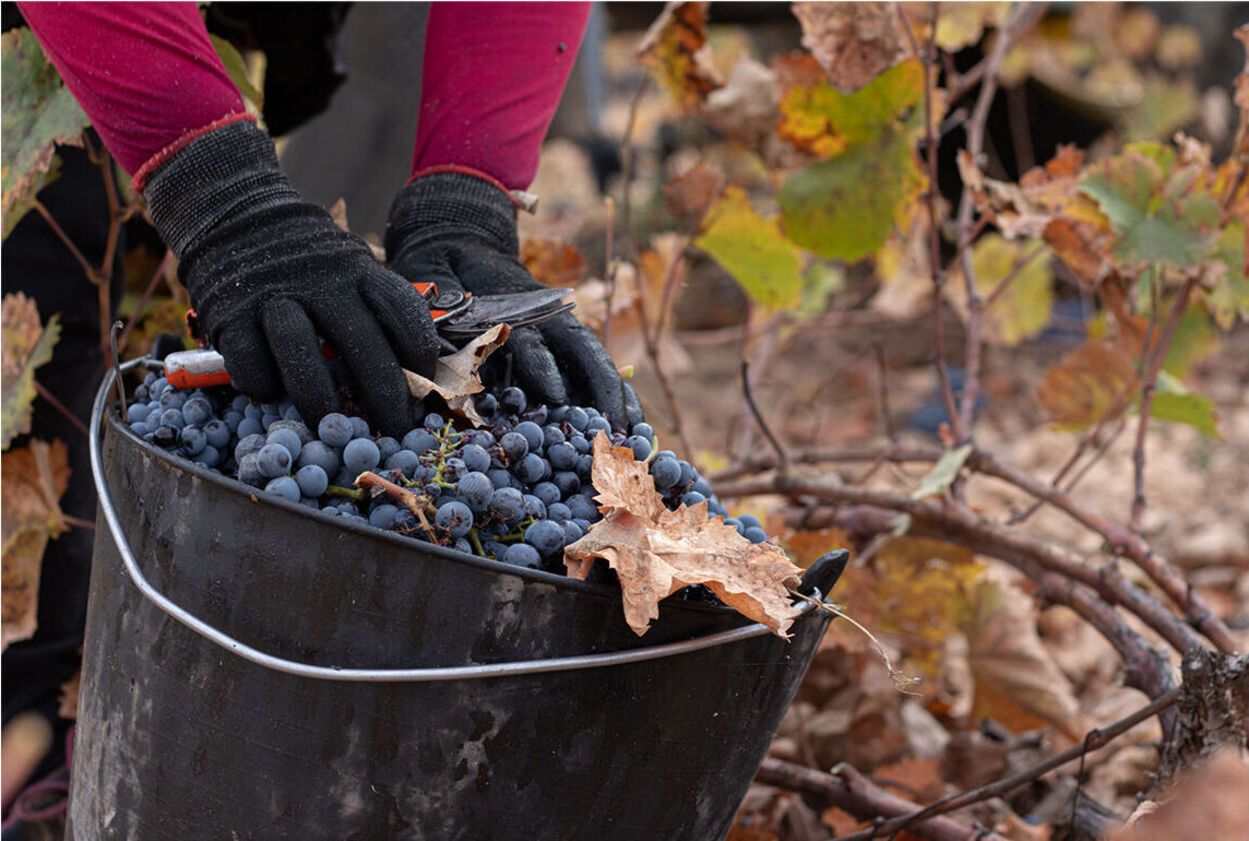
78 522
150 290
976 126
651 343
1147 400
61 407
782 458
626 162
83 262
882 377
1094 740
104 276
850 791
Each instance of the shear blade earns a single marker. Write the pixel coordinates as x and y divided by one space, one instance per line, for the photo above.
518 309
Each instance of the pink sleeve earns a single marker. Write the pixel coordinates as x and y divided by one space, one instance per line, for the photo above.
145 73
493 75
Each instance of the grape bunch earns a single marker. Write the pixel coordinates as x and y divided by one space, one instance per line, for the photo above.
517 490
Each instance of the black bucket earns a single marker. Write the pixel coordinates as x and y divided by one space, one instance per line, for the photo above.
256 670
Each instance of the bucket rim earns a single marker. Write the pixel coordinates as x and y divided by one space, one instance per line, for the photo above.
258 496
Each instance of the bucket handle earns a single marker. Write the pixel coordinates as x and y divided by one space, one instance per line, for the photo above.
423 675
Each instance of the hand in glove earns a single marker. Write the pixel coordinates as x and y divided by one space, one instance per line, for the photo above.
459 230
268 273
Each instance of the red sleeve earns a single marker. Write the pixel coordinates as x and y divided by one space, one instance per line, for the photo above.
493 75
145 73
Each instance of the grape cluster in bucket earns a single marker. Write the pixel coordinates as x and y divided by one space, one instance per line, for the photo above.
517 490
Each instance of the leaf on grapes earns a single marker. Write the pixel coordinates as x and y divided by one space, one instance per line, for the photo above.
1159 208
752 249
675 50
943 473
456 375
656 552
236 69
1014 279
745 108
1017 682
35 478
553 262
39 112
26 347
845 208
1093 382
854 42
691 194
823 121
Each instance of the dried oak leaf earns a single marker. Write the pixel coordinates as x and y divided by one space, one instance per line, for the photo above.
456 378
26 347
855 42
656 552
35 477
675 49
553 262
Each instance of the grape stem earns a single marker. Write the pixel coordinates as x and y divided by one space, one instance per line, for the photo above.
416 503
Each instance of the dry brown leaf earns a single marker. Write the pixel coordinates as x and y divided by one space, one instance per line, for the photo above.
35 477
806 547
690 194
656 552
27 345
854 42
1091 383
1017 682
338 212
456 378
553 262
745 109
675 49
1210 803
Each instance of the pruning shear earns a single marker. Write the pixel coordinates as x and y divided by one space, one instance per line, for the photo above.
458 316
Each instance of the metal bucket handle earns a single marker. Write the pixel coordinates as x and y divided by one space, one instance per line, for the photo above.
423 675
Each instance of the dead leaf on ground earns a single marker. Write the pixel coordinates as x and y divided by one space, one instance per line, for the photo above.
656 552
675 49
1017 683
456 378
35 478
854 42
1210 803
553 262
690 194
27 345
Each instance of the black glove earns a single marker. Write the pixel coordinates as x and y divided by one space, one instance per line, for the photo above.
459 231
268 273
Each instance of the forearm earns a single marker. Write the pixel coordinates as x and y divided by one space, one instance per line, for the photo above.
493 76
145 73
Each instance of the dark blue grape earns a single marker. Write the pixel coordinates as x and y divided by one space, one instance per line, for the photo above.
434 422
645 430
547 492
455 518
534 507
508 504
545 536
486 405
562 456
702 486
585 467
312 480
286 438
383 516
533 435
552 435
320 454
419 441
405 461
361 455
558 511
476 490
512 401
582 508
137 412
666 472
208 457
515 446
521 555
248 427
193 440
387 446
273 460
755 534
269 420
531 469
577 418
580 443
567 482
335 430
481 437
596 425
641 446
692 498
172 417
197 411
249 471
750 521
688 474
218 433
572 532
499 477
475 458
359 427
285 487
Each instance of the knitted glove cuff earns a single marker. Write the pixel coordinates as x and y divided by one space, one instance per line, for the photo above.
221 175
451 204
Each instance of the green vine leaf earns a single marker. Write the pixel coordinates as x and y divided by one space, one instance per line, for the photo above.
39 112
753 250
